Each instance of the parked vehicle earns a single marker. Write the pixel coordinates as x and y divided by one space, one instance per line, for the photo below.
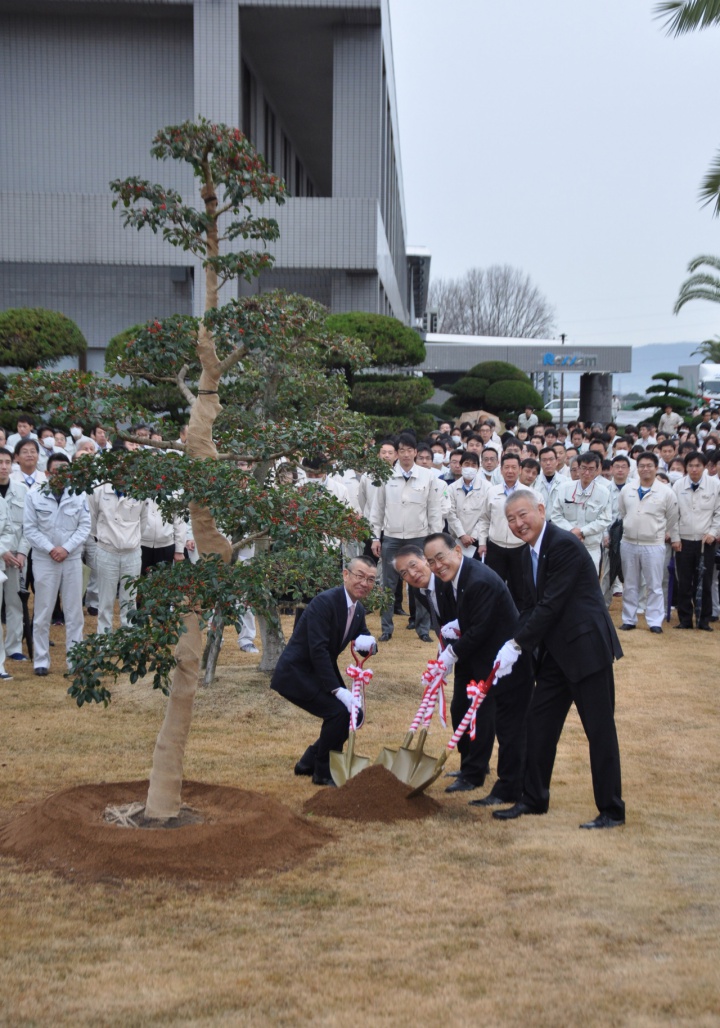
703 380
570 410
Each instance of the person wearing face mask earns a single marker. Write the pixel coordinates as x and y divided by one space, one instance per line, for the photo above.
46 439
466 501
456 439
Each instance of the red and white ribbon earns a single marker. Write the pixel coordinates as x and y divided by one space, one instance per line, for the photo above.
360 678
479 691
434 678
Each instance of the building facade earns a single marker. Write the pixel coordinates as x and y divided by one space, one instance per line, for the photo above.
85 87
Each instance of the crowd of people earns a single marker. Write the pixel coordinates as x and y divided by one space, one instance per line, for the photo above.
74 551
512 545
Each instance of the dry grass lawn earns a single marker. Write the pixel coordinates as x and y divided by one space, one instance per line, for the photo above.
456 920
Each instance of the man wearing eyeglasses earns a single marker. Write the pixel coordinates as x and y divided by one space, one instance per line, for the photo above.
307 673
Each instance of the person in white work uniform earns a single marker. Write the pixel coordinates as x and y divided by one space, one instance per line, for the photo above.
118 522
13 550
57 523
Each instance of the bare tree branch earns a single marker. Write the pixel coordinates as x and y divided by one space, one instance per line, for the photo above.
496 301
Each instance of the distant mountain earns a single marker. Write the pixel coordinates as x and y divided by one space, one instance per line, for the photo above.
648 360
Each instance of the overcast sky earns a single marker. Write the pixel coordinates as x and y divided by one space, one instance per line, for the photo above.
568 139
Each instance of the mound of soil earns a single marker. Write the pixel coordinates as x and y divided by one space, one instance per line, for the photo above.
242 833
373 795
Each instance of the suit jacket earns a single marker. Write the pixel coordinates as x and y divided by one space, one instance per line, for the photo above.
308 664
565 613
445 602
487 616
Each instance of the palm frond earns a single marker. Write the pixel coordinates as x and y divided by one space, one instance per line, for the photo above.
681 16
705 258
710 185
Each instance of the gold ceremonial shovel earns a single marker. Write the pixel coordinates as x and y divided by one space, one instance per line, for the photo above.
404 761
425 775
347 765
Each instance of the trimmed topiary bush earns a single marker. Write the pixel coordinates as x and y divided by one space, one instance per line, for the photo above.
32 337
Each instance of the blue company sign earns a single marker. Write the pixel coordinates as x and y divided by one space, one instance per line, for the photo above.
569 360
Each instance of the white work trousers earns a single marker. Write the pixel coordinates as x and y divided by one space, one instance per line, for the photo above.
13 611
112 568
246 635
51 577
648 563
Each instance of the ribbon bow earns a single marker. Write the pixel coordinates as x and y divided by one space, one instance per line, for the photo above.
360 678
476 692
434 679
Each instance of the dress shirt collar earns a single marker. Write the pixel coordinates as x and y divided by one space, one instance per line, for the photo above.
350 603
538 542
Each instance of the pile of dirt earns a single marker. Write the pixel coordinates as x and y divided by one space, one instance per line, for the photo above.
373 795
242 833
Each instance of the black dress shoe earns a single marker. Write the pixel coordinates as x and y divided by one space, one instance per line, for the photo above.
385 637
489 801
603 821
411 623
41 672
681 625
656 630
318 779
704 627
304 769
425 638
91 612
517 811
627 628
400 611
462 785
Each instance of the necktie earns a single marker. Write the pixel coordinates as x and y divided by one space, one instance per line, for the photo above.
351 615
29 481
642 493
534 556
694 486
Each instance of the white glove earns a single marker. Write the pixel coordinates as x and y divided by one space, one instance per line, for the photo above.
451 630
366 644
345 696
448 659
507 655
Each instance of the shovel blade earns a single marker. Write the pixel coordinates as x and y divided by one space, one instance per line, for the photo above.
427 771
346 765
406 760
386 756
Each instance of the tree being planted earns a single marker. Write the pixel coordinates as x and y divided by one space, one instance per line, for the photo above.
249 373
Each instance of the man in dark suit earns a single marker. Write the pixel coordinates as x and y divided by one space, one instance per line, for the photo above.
485 614
564 622
307 673
411 566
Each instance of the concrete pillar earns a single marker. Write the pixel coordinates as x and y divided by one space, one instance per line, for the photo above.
596 397
357 111
216 90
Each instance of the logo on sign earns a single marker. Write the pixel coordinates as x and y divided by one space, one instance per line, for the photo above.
569 360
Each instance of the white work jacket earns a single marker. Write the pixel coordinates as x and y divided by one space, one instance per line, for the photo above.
698 509
49 524
408 509
12 504
117 521
591 512
646 522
